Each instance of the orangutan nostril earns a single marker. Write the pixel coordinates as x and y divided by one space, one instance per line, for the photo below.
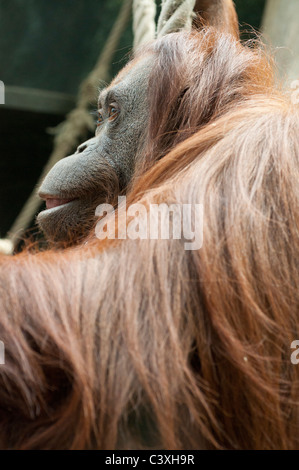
81 148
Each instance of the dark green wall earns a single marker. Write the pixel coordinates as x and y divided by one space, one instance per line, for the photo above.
250 12
54 44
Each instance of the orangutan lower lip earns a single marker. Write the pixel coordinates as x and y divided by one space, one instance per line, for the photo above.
51 202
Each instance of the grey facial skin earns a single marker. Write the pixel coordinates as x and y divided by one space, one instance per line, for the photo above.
102 166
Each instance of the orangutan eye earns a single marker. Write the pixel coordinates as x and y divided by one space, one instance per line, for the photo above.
113 112
100 119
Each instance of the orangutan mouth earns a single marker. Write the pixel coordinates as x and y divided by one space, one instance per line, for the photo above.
53 202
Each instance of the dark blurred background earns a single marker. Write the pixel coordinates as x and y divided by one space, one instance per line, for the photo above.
46 49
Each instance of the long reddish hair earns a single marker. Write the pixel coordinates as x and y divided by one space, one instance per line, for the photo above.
141 344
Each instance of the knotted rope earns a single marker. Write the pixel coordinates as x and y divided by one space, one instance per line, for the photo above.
144 23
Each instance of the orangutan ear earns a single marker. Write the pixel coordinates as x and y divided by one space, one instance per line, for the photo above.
221 14
175 16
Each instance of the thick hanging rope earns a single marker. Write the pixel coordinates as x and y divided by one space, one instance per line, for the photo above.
175 14
74 129
144 23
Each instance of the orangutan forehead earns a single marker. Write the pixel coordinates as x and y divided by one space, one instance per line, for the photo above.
133 75
107 95
129 68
